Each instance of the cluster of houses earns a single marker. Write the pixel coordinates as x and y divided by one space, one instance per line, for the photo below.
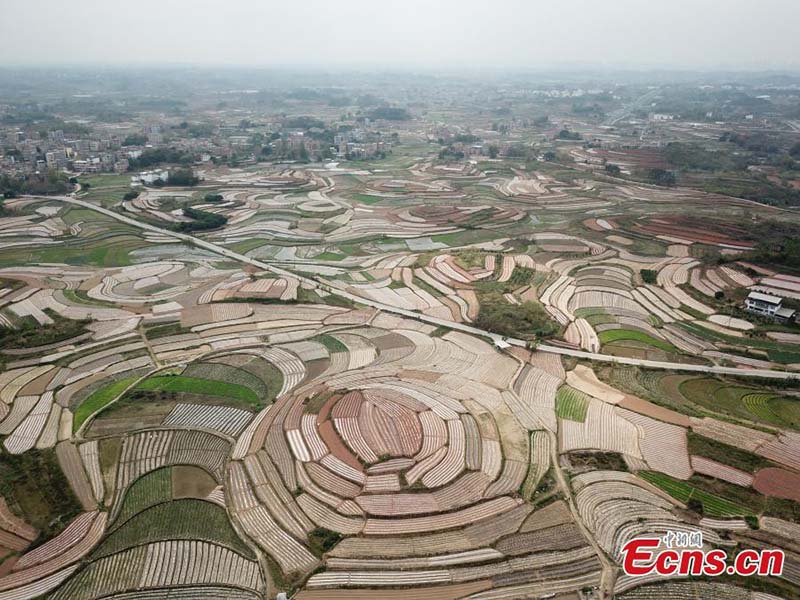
28 153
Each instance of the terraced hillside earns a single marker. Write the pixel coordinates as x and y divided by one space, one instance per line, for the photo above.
349 423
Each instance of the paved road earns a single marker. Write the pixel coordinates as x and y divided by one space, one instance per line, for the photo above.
766 373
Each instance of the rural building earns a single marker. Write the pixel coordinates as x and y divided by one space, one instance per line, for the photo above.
149 177
768 305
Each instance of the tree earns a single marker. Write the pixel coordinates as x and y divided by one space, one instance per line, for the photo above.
695 505
450 153
566 134
613 169
156 156
303 122
183 177
51 182
132 195
662 177
135 140
201 220
493 151
389 113
649 276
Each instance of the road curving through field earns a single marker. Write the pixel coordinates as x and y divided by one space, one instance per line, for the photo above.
497 339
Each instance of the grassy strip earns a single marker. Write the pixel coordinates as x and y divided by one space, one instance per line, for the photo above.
81 297
617 335
695 498
725 454
203 387
331 343
164 330
427 287
215 371
330 256
99 400
367 198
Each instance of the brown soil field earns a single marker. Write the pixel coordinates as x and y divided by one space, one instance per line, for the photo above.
592 224
685 227
191 482
649 409
778 482
444 592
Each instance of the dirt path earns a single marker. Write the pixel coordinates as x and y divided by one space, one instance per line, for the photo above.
609 576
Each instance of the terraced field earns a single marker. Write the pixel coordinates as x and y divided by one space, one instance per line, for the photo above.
204 387
712 505
615 335
746 403
214 428
99 399
571 404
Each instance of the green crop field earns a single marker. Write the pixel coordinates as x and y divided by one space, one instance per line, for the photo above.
713 506
571 404
777 352
186 519
331 256
725 454
221 372
778 410
106 189
153 488
331 343
758 404
367 198
744 402
194 385
112 251
616 335
98 400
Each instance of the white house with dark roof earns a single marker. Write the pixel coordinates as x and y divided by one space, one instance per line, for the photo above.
768 305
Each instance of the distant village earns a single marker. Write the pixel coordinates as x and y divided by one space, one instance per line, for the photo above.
82 148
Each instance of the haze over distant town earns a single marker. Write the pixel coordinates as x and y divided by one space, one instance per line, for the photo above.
685 34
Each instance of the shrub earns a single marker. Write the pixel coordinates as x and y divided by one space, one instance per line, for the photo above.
527 319
649 276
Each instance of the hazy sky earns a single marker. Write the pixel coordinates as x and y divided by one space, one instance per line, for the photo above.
744 34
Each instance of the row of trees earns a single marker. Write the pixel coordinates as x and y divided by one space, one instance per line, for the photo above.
51 182
156 156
